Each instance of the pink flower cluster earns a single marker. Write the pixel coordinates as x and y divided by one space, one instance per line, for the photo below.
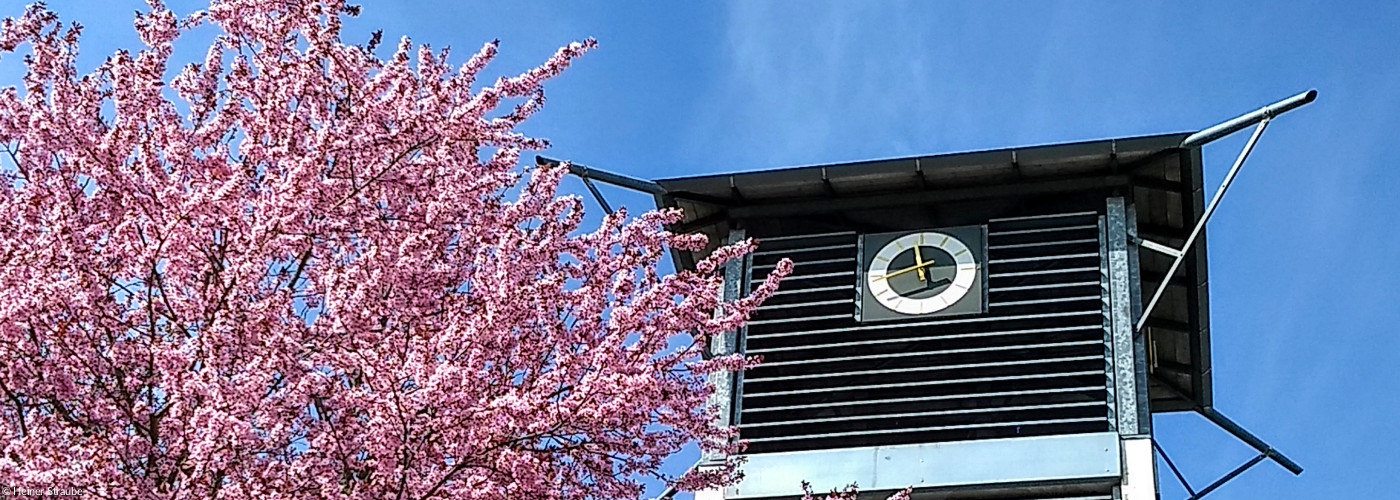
297 271
850 492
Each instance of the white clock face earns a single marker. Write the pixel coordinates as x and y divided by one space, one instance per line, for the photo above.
922 273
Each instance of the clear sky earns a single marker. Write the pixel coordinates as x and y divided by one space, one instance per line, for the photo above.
1304 253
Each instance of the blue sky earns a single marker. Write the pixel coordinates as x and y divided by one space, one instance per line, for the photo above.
1304 253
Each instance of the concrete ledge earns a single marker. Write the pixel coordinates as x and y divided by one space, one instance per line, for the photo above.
1043 459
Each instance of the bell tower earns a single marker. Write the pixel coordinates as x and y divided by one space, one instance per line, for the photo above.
995 324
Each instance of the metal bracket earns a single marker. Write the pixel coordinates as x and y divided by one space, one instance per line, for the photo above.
1159 248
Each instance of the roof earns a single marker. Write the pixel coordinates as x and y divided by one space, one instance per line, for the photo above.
1161 178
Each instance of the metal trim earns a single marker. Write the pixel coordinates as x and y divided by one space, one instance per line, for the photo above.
929 428
920 399
1040 217
1043 301
797 320
816 276
931 353
1042 244
1120 317
859 373
804 304
820 390
769 239
1043 258
761 253
882 326
1046 286
803 263
858 299
933 413
1141 362
1041 230
813 290
925 338
737 408
1106 323
1048 271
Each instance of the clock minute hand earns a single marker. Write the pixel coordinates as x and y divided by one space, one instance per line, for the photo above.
905 271
919 261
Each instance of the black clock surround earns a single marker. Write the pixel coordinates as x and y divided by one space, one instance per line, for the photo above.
924 273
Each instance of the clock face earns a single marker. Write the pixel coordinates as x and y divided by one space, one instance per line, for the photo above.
923 273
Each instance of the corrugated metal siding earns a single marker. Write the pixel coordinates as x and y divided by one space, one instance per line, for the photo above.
1034 364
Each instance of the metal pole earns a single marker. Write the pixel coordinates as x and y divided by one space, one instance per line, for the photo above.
1228 477
1253 441
1203 137
1234 429
628 182
1172 465
597 195
1201 224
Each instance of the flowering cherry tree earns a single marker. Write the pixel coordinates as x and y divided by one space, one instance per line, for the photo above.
296 270
850 492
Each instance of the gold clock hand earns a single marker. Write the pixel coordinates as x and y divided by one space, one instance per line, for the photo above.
904 271
919 263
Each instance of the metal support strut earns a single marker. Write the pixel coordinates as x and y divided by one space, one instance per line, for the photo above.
1180 254
1196 495
1198 139
1266 452
589 174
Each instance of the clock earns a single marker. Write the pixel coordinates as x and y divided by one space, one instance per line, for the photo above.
936 272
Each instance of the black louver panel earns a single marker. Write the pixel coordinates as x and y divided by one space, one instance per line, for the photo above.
1034 364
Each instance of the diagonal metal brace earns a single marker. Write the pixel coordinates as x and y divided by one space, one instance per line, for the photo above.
1198 139
1201 224
597 195
1249 438
1227 477
1179 477
1239 432
1196 495
1230 476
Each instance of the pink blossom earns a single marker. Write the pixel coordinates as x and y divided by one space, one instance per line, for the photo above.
293 271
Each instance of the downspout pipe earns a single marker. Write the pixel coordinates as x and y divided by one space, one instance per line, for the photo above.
1209 135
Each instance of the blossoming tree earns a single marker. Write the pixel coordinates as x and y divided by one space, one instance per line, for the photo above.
296 270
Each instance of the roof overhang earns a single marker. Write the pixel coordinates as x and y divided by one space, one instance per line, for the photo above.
1160 177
